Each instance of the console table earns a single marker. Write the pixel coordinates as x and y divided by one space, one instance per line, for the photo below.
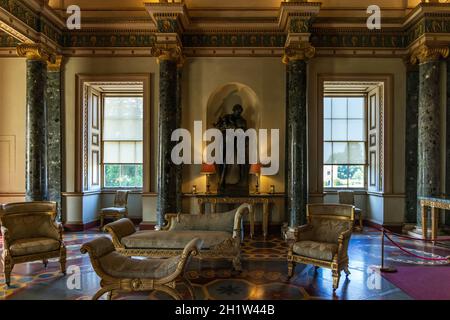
264 199
434 203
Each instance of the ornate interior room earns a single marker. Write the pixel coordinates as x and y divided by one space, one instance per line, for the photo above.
116 181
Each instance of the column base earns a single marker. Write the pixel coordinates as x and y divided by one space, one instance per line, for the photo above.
416 232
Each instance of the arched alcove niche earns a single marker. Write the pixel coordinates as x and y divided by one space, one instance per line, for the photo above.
223 99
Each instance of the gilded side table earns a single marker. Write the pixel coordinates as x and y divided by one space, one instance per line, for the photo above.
253 199
434 203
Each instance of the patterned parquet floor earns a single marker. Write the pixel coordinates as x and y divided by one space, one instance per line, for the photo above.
263 277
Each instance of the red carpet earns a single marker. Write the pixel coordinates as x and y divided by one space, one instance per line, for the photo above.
422 283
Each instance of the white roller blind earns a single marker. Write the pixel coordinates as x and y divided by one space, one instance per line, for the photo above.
122 152
123 118
123 130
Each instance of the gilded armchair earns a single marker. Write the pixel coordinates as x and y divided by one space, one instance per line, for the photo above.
30 233
120 273
323 242
118 210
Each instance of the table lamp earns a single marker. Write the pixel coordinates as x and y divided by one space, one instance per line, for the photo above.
255 169
208 169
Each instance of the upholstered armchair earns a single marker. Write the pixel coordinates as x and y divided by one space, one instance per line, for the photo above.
120 273
118 210
348 197
30 233
323 242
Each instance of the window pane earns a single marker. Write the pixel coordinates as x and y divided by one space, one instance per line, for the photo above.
123 118
111 152
128 177
356 108
327 130
356 176
344 161
340 153
339 130
327 108
327 176
340 176
356 130
339 108
139 176
357 154
112 176
327 153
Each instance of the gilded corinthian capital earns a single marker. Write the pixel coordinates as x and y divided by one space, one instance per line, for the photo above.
424 54
298 51
55 66
35 51
168 52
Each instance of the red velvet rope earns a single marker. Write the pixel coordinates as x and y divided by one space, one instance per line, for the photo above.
415 255
412 238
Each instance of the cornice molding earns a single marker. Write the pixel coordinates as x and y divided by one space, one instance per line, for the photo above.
34 22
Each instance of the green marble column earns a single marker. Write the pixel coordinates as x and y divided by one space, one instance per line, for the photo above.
167 175
55 133
429 135
179 168
296 152
36 124
447 162
411 142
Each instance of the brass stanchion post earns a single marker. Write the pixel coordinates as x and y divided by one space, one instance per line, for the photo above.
383 268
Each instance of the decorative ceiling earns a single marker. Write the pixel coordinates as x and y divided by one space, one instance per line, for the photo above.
226 28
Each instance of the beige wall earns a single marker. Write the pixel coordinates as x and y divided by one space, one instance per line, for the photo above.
12 129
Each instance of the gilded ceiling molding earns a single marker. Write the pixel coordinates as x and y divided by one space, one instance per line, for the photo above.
13 32
56 65
425 54
298 51
35 51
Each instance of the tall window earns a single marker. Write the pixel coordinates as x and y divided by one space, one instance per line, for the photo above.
122 141
344 142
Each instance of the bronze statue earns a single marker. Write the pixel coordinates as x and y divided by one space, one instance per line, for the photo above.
233 178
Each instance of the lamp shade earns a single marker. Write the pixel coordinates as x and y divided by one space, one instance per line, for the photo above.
208 168
255 169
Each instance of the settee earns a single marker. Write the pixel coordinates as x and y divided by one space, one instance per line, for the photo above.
221 234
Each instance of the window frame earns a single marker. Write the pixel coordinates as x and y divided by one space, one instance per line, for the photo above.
102 162
366 147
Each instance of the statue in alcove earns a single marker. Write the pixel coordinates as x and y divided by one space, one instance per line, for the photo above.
233 178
